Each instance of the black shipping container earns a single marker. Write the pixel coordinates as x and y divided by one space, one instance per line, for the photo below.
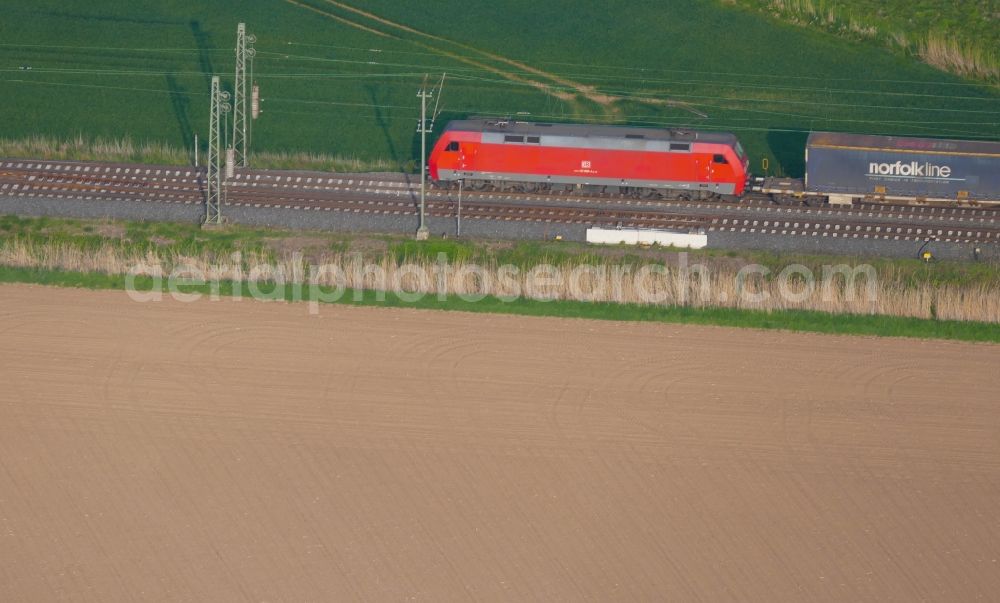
924 168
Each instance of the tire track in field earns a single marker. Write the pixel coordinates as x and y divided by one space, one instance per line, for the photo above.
547 89
608 102
587 91
340 19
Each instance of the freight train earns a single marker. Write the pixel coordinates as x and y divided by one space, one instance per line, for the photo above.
695 165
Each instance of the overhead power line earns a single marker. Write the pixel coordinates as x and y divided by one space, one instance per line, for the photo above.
620 68
718 122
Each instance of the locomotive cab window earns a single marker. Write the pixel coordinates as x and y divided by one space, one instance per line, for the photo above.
452 146
719 159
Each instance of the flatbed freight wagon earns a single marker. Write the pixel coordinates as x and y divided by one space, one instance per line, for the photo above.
844 168
908 169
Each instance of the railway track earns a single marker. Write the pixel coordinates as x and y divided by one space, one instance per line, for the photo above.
346 201
397 195
277 183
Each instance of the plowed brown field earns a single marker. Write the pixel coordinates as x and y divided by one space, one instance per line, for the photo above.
248 451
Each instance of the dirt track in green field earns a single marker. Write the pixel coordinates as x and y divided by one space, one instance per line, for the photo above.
562 88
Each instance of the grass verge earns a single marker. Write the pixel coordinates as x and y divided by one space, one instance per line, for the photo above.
126 150
790 320
759 281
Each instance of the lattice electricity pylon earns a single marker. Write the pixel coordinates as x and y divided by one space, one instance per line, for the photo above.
423 130
213 181
244 54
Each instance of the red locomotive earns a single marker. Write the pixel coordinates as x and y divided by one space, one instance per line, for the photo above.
625 160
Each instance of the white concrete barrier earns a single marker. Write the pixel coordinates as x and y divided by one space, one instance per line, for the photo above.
614 236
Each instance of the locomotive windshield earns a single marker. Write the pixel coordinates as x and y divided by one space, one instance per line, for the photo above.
739 150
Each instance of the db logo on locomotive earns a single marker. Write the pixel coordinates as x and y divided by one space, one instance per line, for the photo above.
585 168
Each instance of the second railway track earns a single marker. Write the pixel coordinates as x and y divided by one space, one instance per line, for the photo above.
396 195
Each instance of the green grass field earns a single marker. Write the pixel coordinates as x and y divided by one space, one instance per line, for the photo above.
342 82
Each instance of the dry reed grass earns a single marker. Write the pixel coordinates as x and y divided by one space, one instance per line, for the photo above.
946 52
668 286
126 150
964 58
